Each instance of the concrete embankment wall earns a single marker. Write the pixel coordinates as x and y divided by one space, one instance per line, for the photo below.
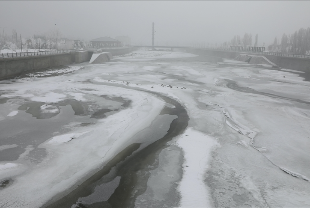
207 52
243 57
100 58
260 60
300 64
12 67
82 56
254 59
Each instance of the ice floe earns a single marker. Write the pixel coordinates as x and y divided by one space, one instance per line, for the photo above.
70 161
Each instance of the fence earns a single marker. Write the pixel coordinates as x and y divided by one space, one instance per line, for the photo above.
37 53
261 53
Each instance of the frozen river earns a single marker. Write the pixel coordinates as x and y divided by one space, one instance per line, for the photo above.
156 129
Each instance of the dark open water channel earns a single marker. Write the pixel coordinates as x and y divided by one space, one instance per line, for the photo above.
114 184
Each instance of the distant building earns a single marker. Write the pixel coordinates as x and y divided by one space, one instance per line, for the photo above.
78 44
248 48
126 41
65 44
256 49
105 42
274 48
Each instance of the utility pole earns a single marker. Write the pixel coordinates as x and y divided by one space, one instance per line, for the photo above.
153 34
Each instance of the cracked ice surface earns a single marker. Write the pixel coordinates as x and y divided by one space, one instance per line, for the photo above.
246 146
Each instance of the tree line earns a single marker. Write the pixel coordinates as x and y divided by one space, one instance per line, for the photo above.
52 39
245 41
296 43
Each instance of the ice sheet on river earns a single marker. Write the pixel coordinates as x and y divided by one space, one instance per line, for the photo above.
76 153
264 169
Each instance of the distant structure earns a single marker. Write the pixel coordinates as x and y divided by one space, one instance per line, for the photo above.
153 34
256 49
105 42
125 40
78 44
65 44
249 48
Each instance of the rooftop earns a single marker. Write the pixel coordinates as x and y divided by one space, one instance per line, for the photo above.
105 39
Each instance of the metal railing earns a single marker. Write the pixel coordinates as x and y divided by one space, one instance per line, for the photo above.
37 53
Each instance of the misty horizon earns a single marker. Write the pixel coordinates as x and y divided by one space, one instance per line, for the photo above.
176 23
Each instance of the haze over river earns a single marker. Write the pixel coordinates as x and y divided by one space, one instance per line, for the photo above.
156 129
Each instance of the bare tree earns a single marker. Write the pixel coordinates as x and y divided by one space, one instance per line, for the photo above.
54 36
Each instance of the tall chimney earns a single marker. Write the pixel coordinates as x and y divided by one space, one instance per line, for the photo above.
153 34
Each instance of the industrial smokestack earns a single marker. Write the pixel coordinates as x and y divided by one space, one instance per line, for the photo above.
153 34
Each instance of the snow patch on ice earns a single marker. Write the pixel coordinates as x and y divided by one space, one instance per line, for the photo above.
150 68
13 113
27 151
169 105
292 70
232 123
7 166
8 146
241 129
53 71
78 96
297 175
243 143
50 97
49 109
197 149
65 138
187 69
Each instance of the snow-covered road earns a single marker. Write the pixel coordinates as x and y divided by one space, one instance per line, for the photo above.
155 129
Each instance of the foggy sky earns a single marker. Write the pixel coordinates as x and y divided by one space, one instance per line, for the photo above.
175 22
